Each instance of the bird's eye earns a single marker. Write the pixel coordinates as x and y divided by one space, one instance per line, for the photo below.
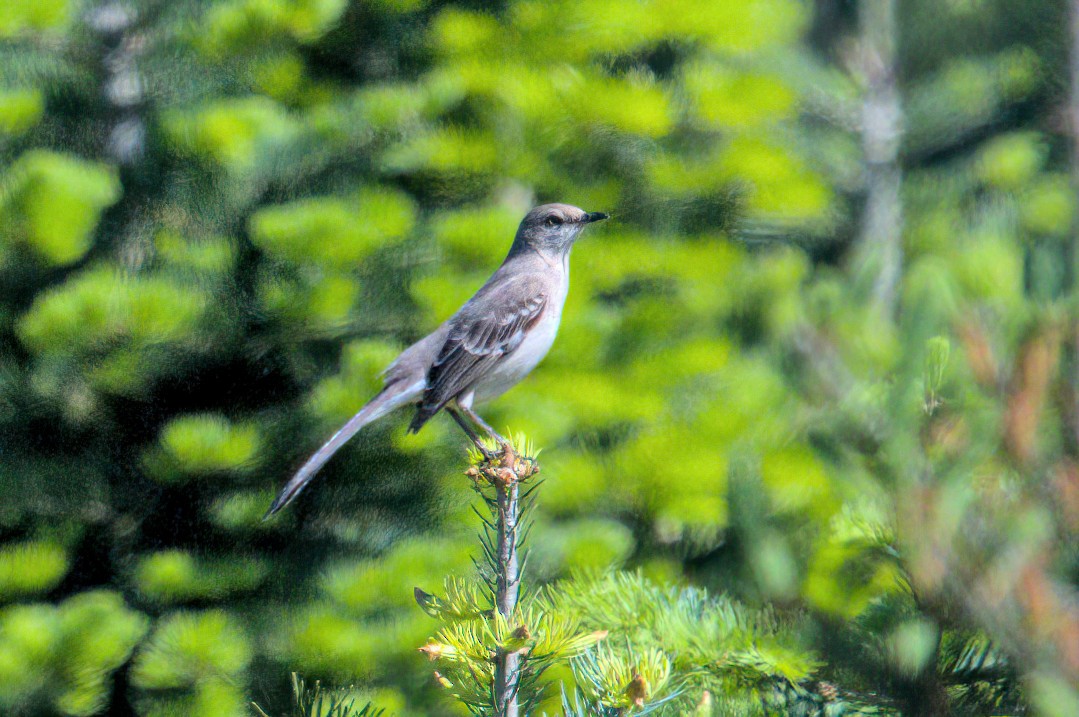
553 221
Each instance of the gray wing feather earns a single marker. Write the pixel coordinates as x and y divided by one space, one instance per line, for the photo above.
491 326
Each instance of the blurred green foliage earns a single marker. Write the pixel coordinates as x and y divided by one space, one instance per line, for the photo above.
316 701
220 221
31 568
53 202
190 665
64 655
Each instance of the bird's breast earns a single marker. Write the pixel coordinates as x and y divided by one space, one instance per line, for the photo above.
518 364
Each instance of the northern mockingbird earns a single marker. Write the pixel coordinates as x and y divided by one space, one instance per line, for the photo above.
483 350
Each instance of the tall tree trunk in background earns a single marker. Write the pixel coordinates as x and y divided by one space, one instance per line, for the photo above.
1072 407
1073 118
122 41
881 250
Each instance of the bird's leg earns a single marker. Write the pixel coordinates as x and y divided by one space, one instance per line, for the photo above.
483 424
471 434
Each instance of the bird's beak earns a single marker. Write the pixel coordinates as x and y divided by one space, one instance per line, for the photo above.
595 217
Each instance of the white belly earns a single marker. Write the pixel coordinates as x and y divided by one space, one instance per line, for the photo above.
511 369
537 342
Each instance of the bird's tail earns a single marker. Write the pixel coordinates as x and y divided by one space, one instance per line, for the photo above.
388 399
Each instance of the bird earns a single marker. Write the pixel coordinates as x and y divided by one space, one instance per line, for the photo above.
493 341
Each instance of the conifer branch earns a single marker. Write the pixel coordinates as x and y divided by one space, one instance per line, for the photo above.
504 473
508 580
495 650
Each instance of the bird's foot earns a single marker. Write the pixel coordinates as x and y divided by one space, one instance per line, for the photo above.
503 443
476 441
492 446
502 468
487 453
492 433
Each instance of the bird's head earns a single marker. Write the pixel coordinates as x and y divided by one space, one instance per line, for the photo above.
552 228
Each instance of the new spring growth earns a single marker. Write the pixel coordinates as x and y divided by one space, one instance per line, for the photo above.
936 363
435 650
518 640
514 461
638 691
430 604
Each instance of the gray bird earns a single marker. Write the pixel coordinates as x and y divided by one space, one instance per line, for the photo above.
483 350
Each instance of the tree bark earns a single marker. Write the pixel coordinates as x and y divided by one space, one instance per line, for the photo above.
1072 400
508 581
881 246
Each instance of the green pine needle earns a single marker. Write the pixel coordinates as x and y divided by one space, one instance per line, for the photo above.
317 701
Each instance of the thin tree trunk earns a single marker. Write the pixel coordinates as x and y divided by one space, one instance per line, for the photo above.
117 24
881 247
1072 405
508 580
1073 103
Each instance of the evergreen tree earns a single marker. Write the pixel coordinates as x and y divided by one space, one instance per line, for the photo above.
220 220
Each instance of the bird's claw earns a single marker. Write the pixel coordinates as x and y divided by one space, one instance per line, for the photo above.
489 454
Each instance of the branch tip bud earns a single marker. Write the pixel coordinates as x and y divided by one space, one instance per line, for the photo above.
638 690
433 650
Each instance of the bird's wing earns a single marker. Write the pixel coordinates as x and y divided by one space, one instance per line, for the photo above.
489 327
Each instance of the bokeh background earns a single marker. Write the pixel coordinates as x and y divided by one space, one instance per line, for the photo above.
823 357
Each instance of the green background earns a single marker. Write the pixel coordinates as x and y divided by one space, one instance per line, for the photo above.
219 221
